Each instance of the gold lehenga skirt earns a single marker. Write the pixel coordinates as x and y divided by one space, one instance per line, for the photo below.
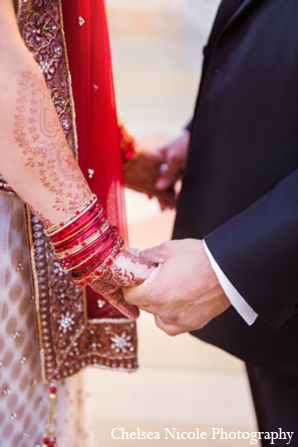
23 395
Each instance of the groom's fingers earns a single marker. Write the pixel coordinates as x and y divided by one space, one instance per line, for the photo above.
167 174
135 295
134 251
156 254
145 294
169 329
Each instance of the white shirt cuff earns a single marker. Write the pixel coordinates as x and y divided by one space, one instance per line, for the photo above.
237 301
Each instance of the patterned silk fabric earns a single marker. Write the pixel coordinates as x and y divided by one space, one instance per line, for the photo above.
24 403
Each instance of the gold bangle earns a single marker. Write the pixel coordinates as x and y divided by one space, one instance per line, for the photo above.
50 231
102 268
79 231
85 243
89 257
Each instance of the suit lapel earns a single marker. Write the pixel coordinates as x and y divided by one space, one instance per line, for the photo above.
228 12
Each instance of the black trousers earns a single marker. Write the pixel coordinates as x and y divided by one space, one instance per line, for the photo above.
275 399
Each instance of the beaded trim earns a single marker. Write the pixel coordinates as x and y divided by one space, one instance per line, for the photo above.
4 186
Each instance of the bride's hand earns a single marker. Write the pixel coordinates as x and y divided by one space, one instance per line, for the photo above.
128 270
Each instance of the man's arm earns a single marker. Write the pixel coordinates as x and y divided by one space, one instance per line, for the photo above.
174 154
237 301
258 251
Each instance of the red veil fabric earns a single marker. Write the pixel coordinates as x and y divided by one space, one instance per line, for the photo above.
99 152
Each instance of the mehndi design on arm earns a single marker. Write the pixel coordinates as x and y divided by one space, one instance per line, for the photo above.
38 133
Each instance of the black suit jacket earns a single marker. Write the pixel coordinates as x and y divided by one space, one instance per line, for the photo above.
240 190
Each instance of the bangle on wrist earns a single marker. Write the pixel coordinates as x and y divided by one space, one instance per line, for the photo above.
71 218
135 156
131 151
85 243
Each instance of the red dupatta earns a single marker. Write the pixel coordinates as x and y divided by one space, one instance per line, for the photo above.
99 152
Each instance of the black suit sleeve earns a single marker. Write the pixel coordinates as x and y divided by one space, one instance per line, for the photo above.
258 251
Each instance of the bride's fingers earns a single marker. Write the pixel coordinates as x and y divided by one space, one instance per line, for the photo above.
114 295
117 300
129 269
136 259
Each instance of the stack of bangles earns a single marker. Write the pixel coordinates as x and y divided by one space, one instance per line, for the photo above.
85 243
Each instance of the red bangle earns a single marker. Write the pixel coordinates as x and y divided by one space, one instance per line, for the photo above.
100 268
71 263
71 218
86 243
76 227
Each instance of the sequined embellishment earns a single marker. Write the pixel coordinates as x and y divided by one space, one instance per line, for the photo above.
16 335
6 391
66 322
19 267
121 342
81 21
90 173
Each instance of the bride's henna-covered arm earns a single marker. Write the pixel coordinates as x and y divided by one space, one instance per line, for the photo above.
43 147
35 157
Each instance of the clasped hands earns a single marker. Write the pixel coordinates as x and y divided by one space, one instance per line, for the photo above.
174 281
182 292
156 173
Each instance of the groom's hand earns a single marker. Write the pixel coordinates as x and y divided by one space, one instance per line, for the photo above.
183 292
174 155
144 173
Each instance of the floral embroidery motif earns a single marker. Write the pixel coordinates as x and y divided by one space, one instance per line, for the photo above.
66 322
121 343
40 31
